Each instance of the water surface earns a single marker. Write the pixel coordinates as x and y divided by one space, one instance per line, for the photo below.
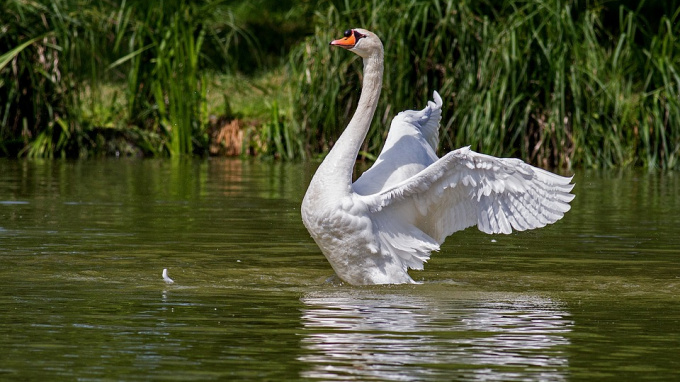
83 244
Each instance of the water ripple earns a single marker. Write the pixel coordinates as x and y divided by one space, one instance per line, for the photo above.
408 338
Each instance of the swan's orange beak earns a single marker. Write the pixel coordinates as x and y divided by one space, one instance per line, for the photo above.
347 42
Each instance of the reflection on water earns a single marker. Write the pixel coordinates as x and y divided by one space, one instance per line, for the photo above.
399 336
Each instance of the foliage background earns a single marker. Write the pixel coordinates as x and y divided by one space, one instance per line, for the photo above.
557 82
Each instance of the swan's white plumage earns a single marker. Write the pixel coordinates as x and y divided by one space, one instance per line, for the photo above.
167 278
402 208
409 148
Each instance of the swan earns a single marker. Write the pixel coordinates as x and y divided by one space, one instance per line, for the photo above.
401 209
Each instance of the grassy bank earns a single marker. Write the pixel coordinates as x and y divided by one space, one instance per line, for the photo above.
86 78
558 83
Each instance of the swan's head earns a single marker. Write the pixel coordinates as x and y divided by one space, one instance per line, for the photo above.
360 41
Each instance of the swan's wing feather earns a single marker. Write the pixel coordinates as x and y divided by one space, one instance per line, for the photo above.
426 120
465 188
401 241
409 148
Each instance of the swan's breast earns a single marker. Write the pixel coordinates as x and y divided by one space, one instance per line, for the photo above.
340 221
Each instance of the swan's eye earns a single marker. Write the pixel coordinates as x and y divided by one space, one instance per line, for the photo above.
348 32
358 35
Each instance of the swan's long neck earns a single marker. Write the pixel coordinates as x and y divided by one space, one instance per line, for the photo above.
336 170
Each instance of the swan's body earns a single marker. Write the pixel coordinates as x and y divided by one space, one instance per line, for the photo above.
402 208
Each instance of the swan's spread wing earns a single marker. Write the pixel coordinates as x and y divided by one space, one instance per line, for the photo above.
410 147
465 188
426 120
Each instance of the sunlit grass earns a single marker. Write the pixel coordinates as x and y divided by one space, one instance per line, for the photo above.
248 97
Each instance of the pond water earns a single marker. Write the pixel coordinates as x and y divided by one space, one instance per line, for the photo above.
83 244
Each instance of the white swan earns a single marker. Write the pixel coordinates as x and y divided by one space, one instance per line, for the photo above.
402 208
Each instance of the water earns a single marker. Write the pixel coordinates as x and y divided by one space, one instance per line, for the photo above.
83 245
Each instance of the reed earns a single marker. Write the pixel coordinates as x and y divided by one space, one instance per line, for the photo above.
59 60
161 49
34 90
561 83
170 73
545 80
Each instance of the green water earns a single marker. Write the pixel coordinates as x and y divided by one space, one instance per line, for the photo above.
82 246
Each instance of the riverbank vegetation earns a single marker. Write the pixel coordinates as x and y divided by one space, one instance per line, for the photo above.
558 83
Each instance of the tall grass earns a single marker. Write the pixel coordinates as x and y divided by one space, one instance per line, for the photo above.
56 90
545 80
168 67
35 93
557 82
164 78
